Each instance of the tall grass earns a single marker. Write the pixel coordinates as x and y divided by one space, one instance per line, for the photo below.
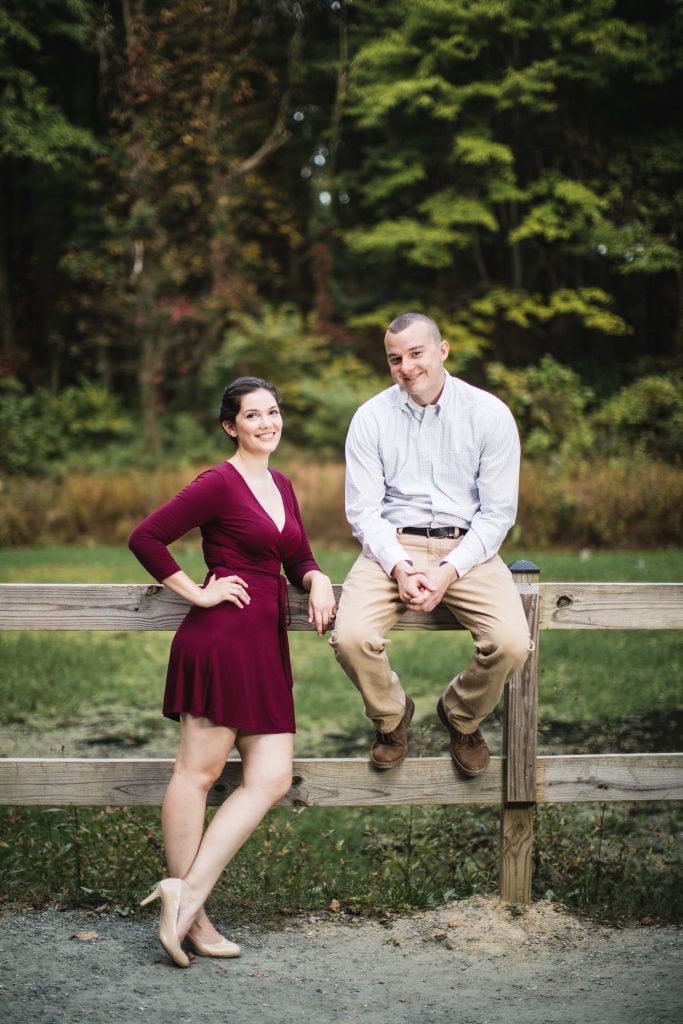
98 694
609 504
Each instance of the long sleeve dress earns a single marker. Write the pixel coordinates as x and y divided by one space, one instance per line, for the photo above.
229 664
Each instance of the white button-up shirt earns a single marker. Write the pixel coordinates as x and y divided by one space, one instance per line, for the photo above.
454 463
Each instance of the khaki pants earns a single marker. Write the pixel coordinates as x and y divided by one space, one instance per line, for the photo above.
485 601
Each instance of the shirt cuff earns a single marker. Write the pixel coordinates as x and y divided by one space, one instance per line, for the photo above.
461 560
390 555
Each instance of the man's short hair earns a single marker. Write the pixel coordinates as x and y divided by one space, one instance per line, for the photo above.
400 323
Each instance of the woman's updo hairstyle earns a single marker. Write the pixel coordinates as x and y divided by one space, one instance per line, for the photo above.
231 402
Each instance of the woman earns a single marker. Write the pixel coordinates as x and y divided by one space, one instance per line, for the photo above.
229 679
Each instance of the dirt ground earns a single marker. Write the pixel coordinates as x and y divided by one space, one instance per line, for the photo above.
470 962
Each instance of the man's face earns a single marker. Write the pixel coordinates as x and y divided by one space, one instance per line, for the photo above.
416 362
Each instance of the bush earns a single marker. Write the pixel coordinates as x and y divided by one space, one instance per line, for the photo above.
320 389
549 403
644 419
622 503
40 429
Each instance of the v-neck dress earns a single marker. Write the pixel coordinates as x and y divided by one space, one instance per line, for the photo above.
229 664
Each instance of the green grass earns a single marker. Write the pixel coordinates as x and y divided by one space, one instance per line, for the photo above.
98 694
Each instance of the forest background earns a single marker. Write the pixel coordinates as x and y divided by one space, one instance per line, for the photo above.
195 190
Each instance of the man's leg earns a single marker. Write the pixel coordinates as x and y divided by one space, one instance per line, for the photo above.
487 602
368 608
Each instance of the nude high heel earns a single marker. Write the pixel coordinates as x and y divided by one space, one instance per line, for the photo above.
224 948
168 891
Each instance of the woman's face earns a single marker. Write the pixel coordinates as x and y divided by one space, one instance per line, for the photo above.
258 424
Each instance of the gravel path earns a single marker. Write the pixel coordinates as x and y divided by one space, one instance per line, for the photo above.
471 962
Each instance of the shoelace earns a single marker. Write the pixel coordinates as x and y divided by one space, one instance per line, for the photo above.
469 739
386 738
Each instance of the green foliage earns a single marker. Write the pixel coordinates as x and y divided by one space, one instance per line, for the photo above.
643 420
558 418
614 864
41 429
320 390
32 126
549 403
513 169
528 166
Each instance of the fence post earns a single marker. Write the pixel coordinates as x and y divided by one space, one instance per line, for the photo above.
519 753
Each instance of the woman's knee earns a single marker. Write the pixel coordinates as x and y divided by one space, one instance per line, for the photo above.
270 786
200 774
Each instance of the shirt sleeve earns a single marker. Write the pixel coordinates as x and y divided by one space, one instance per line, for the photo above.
364 491
298 562
498 485
198 503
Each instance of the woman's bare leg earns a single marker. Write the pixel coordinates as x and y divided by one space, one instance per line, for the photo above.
266 777
202 752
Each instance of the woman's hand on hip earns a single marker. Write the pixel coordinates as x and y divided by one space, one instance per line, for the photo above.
218 589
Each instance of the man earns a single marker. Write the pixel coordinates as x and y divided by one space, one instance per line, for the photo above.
431 492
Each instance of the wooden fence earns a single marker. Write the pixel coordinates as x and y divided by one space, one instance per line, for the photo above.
517 780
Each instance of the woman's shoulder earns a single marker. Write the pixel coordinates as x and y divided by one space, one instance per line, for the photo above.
284 484
281 479
213 478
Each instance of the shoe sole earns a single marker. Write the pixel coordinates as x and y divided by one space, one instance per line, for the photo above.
382 766
467 772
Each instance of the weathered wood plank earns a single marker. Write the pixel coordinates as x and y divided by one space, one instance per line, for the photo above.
122 606
67 606
612 606
521 712
516 850
583 778
348 781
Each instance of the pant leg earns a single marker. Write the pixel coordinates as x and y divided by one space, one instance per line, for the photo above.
486 601
368 608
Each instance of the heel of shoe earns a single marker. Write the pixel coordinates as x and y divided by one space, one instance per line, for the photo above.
154 895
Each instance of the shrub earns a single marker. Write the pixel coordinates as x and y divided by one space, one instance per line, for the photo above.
643 419
41 429
621 503
549 403
320 390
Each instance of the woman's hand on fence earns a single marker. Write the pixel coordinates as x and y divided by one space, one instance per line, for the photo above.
322 606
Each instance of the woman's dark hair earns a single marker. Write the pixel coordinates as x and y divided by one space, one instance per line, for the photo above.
235 392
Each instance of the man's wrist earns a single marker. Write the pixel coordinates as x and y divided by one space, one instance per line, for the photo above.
454 572
402 566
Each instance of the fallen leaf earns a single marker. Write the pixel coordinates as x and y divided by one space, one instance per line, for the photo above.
334 906
85 936
453 923
440 934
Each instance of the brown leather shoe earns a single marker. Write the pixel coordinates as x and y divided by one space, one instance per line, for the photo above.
469 750
390 748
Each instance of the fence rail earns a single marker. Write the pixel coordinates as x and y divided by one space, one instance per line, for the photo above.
516 781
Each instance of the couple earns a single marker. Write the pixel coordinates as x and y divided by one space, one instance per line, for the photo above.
432 477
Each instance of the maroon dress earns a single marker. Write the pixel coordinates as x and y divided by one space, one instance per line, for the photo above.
229 664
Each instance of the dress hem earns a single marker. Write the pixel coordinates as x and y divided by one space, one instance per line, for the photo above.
256 731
